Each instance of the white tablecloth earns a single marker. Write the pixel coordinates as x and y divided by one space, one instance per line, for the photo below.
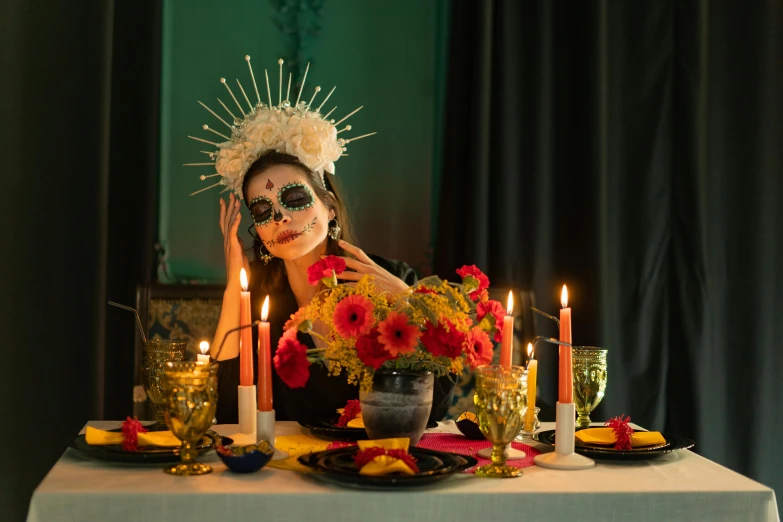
682 486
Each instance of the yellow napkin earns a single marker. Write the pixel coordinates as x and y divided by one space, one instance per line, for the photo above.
605 437
164 439
96 437
356 422
296 446
384 464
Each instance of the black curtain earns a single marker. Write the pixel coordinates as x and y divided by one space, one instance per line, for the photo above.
78 123
632 150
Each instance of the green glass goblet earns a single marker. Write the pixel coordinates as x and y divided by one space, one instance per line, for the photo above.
499 399
589 368
190 403
157 352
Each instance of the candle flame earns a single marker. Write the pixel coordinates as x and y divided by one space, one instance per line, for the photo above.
564 297
204 347
243 280
530 350
510 303
265 309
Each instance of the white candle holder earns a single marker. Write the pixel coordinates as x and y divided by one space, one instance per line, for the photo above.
564 457
265 422
247 409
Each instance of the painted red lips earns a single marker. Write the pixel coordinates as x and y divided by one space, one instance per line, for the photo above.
287 236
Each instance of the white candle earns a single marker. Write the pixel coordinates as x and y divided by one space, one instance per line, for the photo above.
203 357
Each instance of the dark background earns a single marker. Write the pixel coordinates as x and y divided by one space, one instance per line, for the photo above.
631 150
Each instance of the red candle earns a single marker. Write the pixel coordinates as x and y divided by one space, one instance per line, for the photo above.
264 361
566 379
246 335
508 334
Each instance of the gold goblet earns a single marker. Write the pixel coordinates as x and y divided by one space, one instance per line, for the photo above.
189 404
157 352
500 398
589 369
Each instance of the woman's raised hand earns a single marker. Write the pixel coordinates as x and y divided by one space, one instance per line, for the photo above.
233 248
363 265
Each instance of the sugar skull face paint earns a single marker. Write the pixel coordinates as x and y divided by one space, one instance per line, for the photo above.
295 222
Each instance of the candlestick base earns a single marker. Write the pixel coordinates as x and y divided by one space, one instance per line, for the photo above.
265 422
247 409
511 453
564 457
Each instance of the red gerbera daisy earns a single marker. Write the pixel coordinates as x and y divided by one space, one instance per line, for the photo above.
443 340
370 351
353 316
397 335
478 347
497 311
483 280
291 361
323 268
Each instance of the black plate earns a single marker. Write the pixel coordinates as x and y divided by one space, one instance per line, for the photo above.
327 430
673 443
115 453
338 465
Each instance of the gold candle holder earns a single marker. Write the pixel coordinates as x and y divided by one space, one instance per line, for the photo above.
190 402
158 352
500 398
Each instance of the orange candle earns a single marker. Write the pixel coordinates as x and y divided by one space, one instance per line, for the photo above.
566 380
246 334
532 375
508 333
264 361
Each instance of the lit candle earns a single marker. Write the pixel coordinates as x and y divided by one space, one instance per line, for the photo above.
566 380
264 361
532 374
203 357
246 335
508 333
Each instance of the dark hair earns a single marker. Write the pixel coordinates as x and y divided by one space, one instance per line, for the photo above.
273 274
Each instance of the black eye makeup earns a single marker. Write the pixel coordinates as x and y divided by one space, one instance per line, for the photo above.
261 210
295 196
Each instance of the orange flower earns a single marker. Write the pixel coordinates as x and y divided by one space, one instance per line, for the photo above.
478 347
353 316
397 335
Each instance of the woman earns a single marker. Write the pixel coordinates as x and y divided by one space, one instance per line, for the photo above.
298 216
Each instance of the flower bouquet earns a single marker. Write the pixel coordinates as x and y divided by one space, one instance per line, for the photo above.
435 325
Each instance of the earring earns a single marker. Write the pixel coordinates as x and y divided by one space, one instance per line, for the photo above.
334 229
265 256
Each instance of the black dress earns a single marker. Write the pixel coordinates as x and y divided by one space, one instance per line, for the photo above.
322 394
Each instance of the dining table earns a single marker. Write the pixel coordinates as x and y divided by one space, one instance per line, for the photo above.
677 486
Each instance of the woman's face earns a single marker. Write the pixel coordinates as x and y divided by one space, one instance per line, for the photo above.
289 217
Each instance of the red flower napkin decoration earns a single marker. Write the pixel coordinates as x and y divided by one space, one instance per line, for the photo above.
130 433
364 457
622 431
351 410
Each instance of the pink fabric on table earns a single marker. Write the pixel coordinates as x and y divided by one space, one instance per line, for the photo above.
462 446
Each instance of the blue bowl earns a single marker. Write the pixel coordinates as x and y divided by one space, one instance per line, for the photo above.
247 459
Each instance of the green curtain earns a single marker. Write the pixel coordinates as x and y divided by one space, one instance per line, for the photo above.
632 150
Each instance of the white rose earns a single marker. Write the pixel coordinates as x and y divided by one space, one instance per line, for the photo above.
233 161
265 135
313 141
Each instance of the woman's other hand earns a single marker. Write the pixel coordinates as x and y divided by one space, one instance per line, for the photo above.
233 248
363 265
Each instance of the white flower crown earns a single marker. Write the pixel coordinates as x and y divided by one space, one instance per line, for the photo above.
294 129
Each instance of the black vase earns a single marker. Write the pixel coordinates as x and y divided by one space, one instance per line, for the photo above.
442 397
398 405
